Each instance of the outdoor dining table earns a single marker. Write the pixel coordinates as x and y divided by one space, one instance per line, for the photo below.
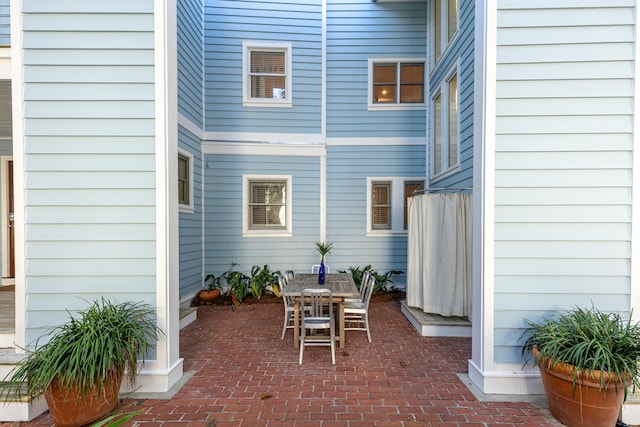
341 286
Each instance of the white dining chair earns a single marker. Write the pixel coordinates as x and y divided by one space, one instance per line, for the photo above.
316 267
356 314
289 307
363 286
318 318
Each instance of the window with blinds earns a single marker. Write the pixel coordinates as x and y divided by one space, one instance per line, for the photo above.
381 205
183 180
5 107
268 204
267 74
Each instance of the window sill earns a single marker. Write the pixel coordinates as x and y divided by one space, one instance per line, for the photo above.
396 107
186 209
279 234
266 104
386 233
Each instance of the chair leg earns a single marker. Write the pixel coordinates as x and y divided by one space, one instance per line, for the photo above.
333 346
302 334
366 322
286 322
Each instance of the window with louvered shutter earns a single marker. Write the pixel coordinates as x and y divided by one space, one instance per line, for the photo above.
381 205
5 110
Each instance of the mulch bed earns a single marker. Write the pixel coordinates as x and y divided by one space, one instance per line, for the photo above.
269 298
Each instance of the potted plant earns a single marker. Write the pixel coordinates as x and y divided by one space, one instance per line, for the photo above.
213 288
587 359
80 368
323 248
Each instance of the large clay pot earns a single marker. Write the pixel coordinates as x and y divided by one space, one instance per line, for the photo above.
69 409
585 405
209 295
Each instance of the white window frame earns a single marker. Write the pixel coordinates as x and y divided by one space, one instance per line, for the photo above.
397 203
443 92
397 105
246 198
445 40
247 48
187 207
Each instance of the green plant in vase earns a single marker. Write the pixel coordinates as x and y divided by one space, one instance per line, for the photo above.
323 248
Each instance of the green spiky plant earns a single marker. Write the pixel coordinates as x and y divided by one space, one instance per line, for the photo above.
323 248
106 337
590 340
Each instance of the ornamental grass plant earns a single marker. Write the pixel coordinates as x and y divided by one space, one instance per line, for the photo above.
590 340
105 338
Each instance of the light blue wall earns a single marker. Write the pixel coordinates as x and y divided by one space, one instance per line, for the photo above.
224 242
5 27
190 60
460 52
356 31
227 25
191 254
347 170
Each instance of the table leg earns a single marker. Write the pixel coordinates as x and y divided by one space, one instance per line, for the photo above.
341 323
296 323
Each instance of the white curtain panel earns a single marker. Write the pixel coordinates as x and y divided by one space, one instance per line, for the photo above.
439 254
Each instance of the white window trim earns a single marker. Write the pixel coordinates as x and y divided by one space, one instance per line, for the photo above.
443 90
246 231
397 204
445 44
397 105
188 208
247 101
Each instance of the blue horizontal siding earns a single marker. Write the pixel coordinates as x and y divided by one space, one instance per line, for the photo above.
190 60
226 25
5 24
224 242
190 240
356 31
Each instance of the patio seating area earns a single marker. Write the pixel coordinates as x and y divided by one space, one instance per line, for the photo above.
240 373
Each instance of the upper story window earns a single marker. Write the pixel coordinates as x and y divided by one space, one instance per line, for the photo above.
266 74
445 25
185 181
267 209
445 138
396 83
387 203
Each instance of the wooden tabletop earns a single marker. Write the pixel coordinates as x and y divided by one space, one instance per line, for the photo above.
340 284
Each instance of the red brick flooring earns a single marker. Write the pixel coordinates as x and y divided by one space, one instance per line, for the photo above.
244 375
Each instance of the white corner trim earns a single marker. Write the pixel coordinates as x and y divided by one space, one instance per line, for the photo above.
190 126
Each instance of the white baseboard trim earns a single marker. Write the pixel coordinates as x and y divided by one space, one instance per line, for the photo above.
155 381
503 382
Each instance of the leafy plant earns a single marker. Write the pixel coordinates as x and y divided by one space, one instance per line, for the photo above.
238 286
117 418
106 337
382 280
261 279
588 339
323 248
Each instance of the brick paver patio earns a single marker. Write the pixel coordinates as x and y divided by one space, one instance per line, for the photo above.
244 375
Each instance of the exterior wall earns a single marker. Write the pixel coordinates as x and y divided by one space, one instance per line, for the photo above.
347 204
5 25
88 160
224 242
190 60
559 148
356 31
227 25
191 239
460 54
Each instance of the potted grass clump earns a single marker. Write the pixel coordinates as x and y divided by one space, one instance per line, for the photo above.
587 360
81 367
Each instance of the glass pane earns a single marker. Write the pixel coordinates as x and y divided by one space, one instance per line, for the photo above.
412 73
263 86
437 137
381 218
267 62
453 18
381 207
384 93
409 189
183 167
453 121
412 93
384 73
268 204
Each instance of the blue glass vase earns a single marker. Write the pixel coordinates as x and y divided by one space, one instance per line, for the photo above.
321 273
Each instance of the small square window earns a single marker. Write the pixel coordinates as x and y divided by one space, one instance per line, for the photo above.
266 74
397 83
267 206
381 205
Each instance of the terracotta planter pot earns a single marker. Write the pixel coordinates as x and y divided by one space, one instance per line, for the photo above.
585 405
69 409
206 295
